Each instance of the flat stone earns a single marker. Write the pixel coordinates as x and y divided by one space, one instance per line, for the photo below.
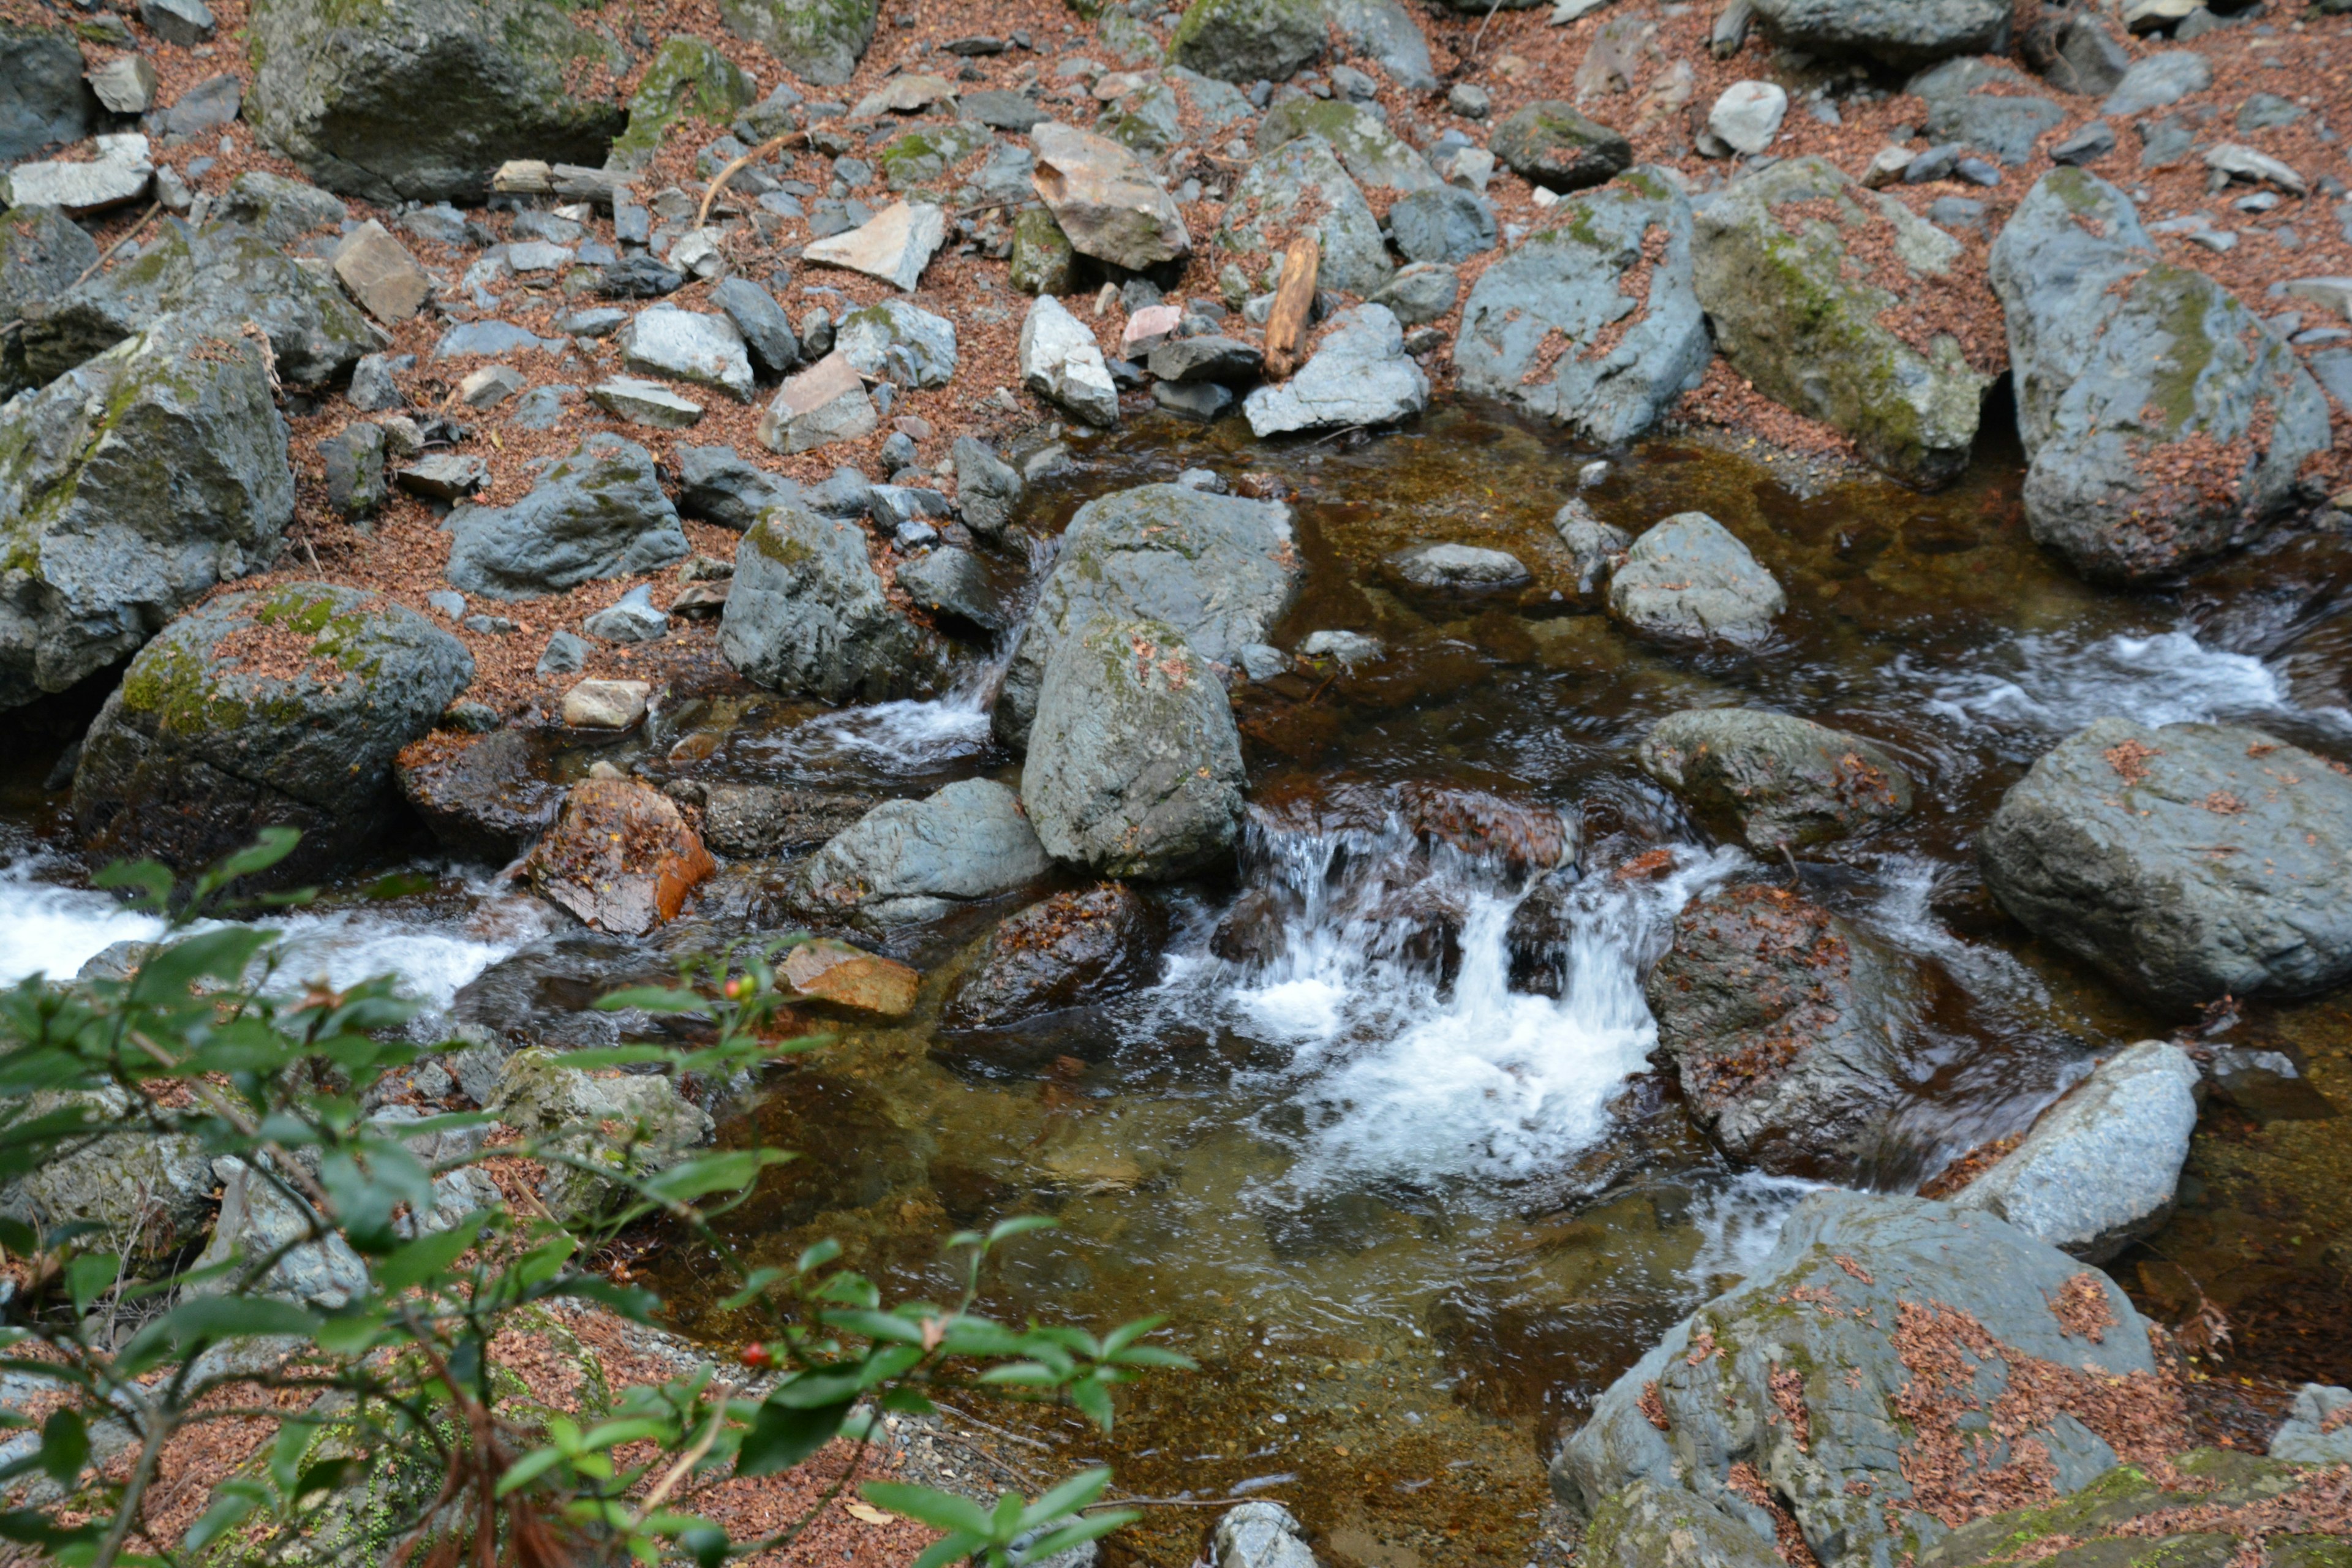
535 256
606 704
2088 145
894 245
2240 162
839 976
691 346
186 23
646 402
1552 143
2334 293
78 188
822 404
491 339
631 618
444 477
489 386
1458 568
381 275
1001 111
1359 376
1210 358
904 95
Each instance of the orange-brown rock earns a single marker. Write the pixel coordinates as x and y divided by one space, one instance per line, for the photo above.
620 857
850 978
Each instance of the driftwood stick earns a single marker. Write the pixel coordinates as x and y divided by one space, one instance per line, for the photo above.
1294 303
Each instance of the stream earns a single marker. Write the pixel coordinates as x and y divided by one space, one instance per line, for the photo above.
1412 1216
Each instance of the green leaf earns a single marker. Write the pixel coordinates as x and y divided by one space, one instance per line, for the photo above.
817 1256
730 1170
613 1434
1078 1533
1093 1401
808 1389
1125 1334
89 1275
398 885
529 1469
652 999
1024 1373
232 1501
940 1510
954 1549
782 1435
65 1446
1154 1355
1020 1225
427 1256
1067 1497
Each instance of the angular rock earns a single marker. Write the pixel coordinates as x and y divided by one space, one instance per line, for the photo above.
631 618
689 346
899 341
2098 1170
2074 51
444 477
97 185
597 513
952 582
1421 293
688 78
1134 766
1690 578
1748 115
1447 224
911 861
837 975
1041 256
807 613
2315 1431
1989 108
895 244
630 1123
1068 950
381 274
1374 155
196 752
1105 201
763 819
1061 363
2188 862
922 158
354 462
42 253
1262 1534
1551 143
2161 421
149 1197
717 485
44 101
340 89
606 704
1565 281
2154 81
126 84
1304 180
203 108
1773 781
824 403
278 209
767 332
1209 358
1385 32
260 1219
1247 40
1905 34
619 857
485 802
988 489
1772 269
820 41
647 402
1359 375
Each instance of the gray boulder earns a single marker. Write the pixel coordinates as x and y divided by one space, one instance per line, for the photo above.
597 513
715 484
908 861
2098 1170
1611 381
339 91
1775 781
2154 81
1785 1026
1246 40
1775 273
1848 1391
1552 143
1384 31
1060 361
1987 107
807 613
1304 177
988 489
899 341
1135 764
279 210
1443 224
1106 202
953 581
1905 34
2316 1430
819 41
195 751
1689 577
637 1122
42 252
1359 375
259 1218
2187 862
129 488
2075 51
43 99
1221 571
148 1196
2161 422
692 346
1375 156
766 331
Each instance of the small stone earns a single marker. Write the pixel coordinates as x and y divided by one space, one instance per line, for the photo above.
2243 162
1458 568
444 477
1347 647
822 404
603 704
355 463
489 386
126 84
1889 164
2088 145
646 402
1749 115
631 618
691 346
2334 293
1469 101
537 256
1203 400
448 602
1211 358
186 23
839 976
566 652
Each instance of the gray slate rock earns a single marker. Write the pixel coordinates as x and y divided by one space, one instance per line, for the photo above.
1212 357
1689 577
2076 51
819 41
43 100
1458 568
1305 175
1443 224
1905 34
1383 30
2305 1439
898 341
1262 1534
1774 780
767 332
2099 1169
988 489
631 618
1419 293
2123 360
1566 279
1374 156
258 1219
2158 79
717 485
2186 862
1135 765
598 511
953 581
1248 41
1359 375
193 752
806 612
1552 143
691 346
1987 107
1221 571
42 252
910 861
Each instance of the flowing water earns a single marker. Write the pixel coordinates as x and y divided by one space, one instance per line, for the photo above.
1413 1212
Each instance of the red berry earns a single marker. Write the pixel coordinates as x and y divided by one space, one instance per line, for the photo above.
756 1356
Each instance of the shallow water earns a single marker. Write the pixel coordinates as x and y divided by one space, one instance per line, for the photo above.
1410 1219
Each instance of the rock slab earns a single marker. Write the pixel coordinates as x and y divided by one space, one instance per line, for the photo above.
909 861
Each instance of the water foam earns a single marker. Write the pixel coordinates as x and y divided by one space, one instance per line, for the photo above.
2058 687
53 928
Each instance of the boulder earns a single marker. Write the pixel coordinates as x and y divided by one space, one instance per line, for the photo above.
2075 51
1984 106
1794 315
2154 81
2317 1430
631 1124
1551 143
42 253
1775 781
2188 862
1135 764
1105 200
717 485
1892 1369
1249 40
129 488
1905 34
766 331
1384 31
824 403
1446 224
1061 363
44 101
259 1217
819 41
895 244
908 861
2098 1170
688 345
1041 259
149 1197
381 274
1690 578
485 801
1373 155
952 582
597 513
339 91
687 78
2161 422
899 341
122 174
280 707
1359 375
988 489
619 857
1748 115
807 613
1221 571
1550 327
1784 1025
1299 184
843 978
1061 952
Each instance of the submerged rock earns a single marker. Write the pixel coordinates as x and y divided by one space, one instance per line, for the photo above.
1690 578
908 861
1359 375
1061 952
807 611
2187 862
597 513
1777 781
620 857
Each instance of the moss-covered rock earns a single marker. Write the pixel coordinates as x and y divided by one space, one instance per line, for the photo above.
1247 40
819 41
148 1196
1371 153
1041 256
807 611
615 1125
1301 177
687 80
923 156
280 708
2226 1500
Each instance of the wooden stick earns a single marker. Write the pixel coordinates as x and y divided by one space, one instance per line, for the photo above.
771 145
1294 303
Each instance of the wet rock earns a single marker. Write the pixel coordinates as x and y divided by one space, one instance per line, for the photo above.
1566 282
1373 155
987 489
2315 1431
2161 422
1784 1023
1248 41
1776 782
1135 765
1984 106
895 244
42 252
1262 1534
149 1197
1221 571
910 861
1552 143
1059 952
1105 201
837 975
824 403
634 1124
1447 224
1649 1525
597 513
1594 547
485 801
278 708
2187 862
768 819
953 581
2098 1170
1786 234
1458 568
1905 34
1300 183
1061 363
807 613
898 341
1359 375
1689 577
44 101
338 91
1856 1369
619 857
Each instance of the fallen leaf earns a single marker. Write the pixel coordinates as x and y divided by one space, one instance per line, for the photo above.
859 1510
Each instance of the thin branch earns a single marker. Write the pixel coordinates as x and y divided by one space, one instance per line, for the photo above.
685 1461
